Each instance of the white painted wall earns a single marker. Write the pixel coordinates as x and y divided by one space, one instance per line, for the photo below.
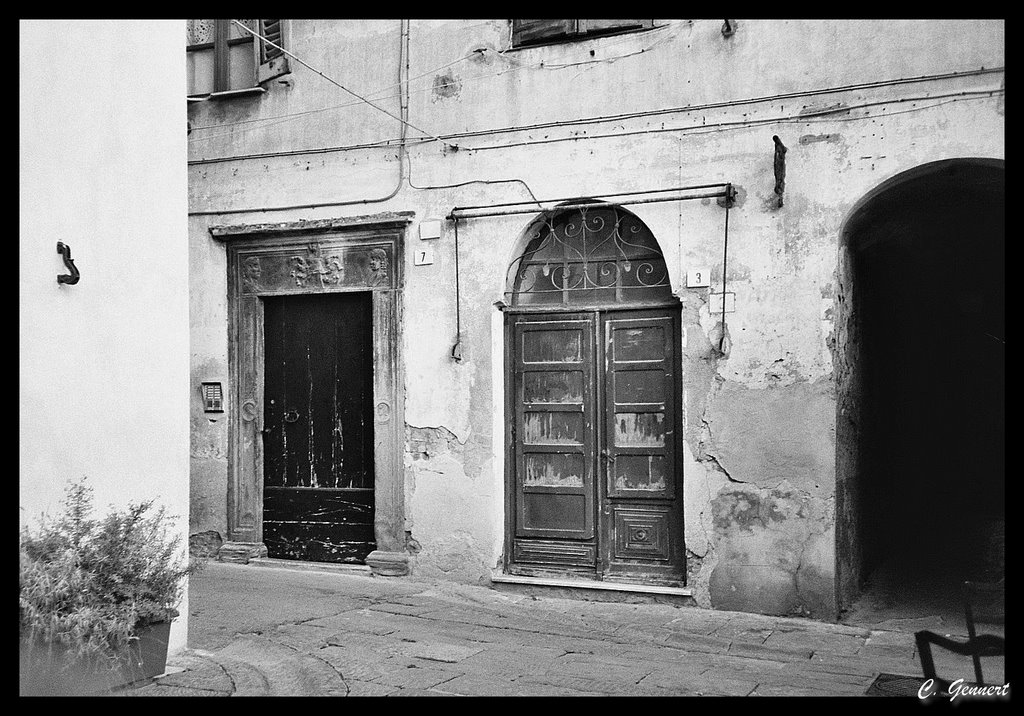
104 364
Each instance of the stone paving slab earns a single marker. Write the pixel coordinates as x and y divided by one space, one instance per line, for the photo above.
510 663
810 642
366 688
476 685
761 650
199 673
445 653
419 692
416 677
615 674
587 685
364 620
698 643
167 690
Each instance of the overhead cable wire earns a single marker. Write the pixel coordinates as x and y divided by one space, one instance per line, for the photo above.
341 86
806 117
740 124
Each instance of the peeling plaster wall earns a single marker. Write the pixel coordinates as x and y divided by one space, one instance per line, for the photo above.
761 460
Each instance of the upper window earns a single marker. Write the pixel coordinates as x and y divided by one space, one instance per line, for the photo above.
225 59
537 32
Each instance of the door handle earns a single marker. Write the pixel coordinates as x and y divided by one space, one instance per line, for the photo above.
291 416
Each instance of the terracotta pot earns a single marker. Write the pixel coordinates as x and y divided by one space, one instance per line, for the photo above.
44 670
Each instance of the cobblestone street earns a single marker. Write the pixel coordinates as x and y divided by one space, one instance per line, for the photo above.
259 631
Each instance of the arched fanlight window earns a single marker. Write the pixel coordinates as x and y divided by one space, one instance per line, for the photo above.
588 256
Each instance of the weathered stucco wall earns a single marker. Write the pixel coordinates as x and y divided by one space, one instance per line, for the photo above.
849 381
760 469
103 369
208 303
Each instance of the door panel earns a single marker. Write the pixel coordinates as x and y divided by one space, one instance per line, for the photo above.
318 428
553 432
643 529
639 407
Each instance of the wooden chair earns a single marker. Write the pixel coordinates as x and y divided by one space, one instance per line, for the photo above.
977 645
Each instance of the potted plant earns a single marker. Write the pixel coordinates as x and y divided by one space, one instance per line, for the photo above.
97 596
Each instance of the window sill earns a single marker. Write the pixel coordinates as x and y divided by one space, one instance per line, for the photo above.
227 94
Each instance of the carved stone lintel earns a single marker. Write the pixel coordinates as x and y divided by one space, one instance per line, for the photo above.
241 552
388 564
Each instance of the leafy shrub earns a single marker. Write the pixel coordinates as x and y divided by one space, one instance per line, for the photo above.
90 584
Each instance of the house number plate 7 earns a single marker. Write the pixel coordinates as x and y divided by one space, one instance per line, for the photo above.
423 256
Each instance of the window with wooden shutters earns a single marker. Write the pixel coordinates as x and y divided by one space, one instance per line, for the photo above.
225 59
536 32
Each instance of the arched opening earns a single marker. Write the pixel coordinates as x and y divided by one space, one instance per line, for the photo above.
593 405
926 297
587 256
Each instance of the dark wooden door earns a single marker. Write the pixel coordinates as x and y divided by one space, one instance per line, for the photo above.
318 467
597 480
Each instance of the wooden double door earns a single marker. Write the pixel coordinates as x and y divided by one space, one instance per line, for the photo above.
595 479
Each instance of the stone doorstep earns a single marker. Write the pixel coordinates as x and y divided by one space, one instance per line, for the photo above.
300 566
590 584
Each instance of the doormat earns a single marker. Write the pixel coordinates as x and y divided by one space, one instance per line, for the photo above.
895 685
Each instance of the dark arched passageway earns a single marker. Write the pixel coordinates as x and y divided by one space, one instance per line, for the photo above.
927 256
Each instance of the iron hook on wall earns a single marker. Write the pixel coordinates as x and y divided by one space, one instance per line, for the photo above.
780 168
69 278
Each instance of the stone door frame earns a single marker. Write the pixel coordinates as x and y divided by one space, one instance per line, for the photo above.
362 253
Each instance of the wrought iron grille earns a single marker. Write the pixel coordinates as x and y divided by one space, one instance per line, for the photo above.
585 256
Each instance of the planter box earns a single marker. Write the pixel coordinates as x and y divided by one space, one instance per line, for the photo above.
44 671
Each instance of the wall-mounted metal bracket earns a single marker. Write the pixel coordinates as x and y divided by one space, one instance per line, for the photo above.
69 278
729 200
780 168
